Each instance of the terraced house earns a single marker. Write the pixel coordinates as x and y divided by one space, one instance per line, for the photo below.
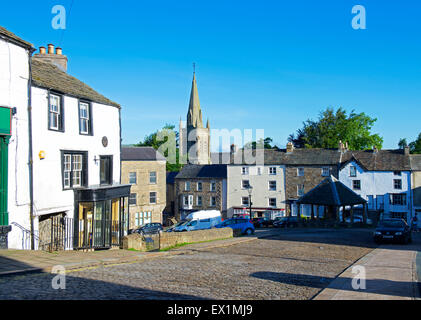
64 180
144 169
263 184
201 187
382 177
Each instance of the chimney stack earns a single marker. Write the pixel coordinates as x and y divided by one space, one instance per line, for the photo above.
50 49
406 151
54 57
290 147
341 146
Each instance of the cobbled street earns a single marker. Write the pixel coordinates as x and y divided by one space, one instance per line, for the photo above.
290 265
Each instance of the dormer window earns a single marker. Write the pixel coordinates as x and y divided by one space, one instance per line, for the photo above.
55 113
85 123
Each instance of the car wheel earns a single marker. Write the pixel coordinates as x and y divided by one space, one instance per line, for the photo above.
249 232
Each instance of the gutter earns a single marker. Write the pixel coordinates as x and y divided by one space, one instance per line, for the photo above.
30 157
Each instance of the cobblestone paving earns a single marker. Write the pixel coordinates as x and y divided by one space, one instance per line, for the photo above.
277 268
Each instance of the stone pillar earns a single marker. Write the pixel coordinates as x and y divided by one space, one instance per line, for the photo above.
312 212
365 214
299 211
352 215
317 213
343 214
4 230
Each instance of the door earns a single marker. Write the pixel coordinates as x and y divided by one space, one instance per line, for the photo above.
106 170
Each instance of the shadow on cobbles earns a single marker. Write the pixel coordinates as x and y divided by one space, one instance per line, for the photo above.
374 286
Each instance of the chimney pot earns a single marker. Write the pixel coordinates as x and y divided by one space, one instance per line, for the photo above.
50 49
290 147
42 50
59 51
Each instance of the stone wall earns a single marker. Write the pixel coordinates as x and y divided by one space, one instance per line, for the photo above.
206 194
4 230
170 239
312 177
143 187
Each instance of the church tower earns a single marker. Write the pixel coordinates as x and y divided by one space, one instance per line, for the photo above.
194 139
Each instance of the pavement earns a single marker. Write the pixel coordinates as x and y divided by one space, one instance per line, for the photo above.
391 273
14 262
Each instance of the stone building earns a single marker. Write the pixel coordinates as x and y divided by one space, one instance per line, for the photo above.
304 170
267 182
201 187
194 139
145 170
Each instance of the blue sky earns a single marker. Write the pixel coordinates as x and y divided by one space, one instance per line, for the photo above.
260 64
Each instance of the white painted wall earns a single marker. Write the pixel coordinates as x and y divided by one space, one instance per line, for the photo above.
49 196
260 184
379 183
14 77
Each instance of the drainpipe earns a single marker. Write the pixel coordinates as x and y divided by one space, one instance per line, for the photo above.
30 158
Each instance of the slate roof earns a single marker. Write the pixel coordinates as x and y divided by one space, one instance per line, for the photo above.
298 157
171 177
191 171
141 154
47 75
383 160
15 38
415 160
331 192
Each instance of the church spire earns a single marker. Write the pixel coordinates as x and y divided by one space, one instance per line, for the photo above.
194 116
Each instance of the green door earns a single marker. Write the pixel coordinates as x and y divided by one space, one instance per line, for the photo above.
5 131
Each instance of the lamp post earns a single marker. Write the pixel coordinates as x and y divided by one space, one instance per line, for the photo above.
250 190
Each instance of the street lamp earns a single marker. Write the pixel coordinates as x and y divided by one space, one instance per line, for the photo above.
250 190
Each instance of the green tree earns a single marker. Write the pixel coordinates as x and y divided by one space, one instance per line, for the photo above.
402 143
261 143
166 142
415 146
334 126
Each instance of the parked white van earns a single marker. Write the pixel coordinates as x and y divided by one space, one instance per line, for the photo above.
200 220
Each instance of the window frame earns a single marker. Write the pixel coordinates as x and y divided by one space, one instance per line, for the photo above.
353 185
245 171
185 186
211 188
245 187
399 181
84 169
60 112
135 178
199 183
135 199
300 170
272 171
298 190
197 201
351 173
150 177
210 201
328 172
89 119
150 197
269 185
242 201
272 205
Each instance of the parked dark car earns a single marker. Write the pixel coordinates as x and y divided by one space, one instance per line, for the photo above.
242 224
149 228
286 222
258 222
395 230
